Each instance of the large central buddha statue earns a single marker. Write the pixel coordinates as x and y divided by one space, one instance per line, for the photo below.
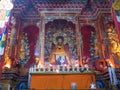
60 52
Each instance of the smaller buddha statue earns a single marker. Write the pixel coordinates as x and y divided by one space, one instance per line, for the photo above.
23 71
60 52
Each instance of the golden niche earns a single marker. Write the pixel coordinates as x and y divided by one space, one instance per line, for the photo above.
60 52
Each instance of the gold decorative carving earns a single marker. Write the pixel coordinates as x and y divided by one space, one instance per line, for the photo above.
113 41
116 4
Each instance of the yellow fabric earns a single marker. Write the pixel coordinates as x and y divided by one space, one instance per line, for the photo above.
61 81
116 4
58 51
3 37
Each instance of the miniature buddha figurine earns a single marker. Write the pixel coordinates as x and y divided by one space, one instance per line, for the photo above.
23 70
60 53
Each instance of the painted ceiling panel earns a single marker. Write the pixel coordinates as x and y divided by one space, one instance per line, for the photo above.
84 7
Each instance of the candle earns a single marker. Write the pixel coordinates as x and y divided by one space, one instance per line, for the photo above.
44 69
53 69
77 68
68 68
34 68
58 67
63 68
87 68
31 69
82 68
57 70
39 68
48 68
73 68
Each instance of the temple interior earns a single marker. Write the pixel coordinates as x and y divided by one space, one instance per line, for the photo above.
59 44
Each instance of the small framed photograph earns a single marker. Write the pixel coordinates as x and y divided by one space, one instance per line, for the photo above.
60 59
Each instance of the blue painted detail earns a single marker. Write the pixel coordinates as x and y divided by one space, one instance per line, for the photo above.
1 86
8 13
5 30
118 83
0 37
22 85
100 84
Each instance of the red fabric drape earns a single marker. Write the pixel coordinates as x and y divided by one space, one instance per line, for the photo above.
86 34
32 34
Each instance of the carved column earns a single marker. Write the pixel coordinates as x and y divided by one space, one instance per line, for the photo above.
102 37
42 40
99 32
79 49
17 36
39 25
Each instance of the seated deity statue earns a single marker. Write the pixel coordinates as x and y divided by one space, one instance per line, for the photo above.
60 54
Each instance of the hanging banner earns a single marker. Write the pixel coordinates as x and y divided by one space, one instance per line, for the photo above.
2 41
116 15
5 10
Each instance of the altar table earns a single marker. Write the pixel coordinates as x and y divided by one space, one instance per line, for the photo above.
61 80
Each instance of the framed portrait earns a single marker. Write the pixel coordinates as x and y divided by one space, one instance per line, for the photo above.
60 59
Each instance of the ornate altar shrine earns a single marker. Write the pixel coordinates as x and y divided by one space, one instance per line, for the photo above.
60 38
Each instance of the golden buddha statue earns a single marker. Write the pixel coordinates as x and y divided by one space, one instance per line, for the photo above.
60 53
